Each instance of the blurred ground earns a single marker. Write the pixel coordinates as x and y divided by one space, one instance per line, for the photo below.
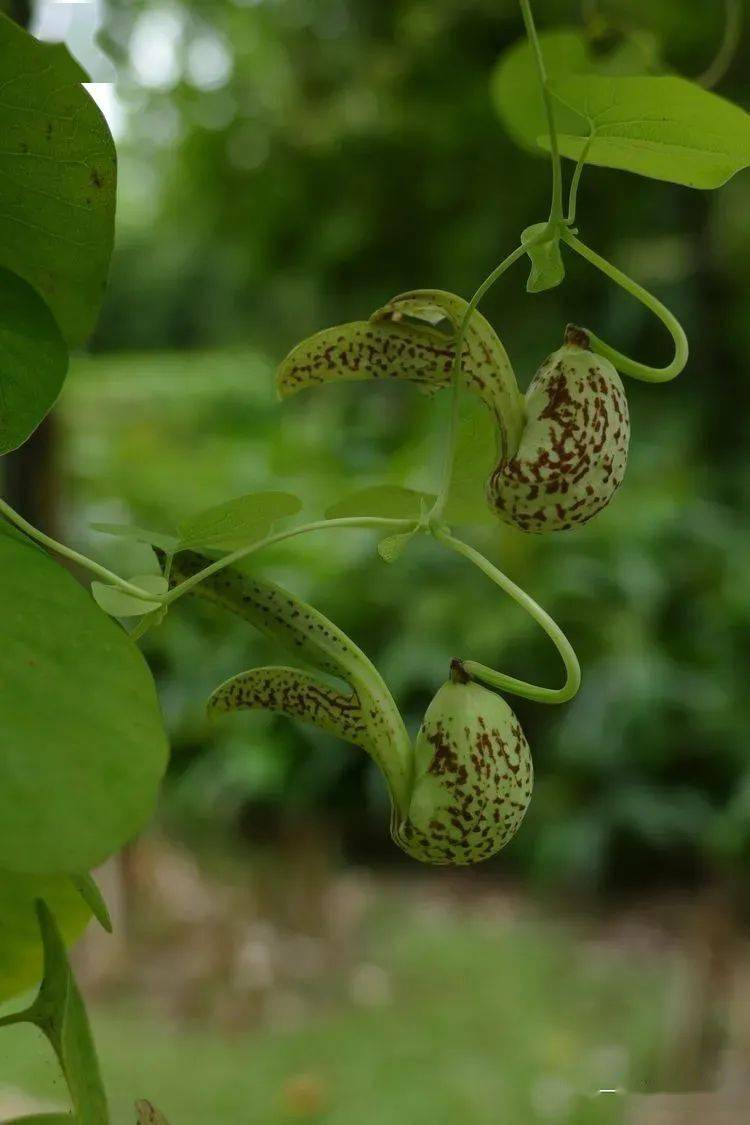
436 999
285 989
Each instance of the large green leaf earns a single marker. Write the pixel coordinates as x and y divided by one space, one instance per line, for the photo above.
33 360
20 944
57 179
82 746
239 522
515 88
666 128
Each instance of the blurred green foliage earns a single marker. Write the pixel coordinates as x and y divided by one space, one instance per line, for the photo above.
288 165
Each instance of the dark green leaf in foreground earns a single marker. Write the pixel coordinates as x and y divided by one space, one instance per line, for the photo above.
382 501
20 943
82 745
57 179
238 523
33 360
666 128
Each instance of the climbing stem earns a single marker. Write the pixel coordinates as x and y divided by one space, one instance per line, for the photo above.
624 363
728 48
556 209
554 632
576 180
68 553
252 548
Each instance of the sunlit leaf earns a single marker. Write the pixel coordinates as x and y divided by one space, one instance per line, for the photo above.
33 360
89 891
384 501
82 745
392 547
666 128
117 603
516 92
20 942
57 179
237 523
515 87
164 542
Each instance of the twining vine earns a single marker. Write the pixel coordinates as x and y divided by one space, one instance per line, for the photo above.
84 747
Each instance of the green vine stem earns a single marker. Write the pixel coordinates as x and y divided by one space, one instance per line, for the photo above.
730 43
219 564
68 553
576 180
279 537
622 362
509 683
556 210
555 218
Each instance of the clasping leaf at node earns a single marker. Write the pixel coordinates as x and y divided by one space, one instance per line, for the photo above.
547 266
117 603
392 547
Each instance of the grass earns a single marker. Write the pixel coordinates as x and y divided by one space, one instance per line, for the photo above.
480 1019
